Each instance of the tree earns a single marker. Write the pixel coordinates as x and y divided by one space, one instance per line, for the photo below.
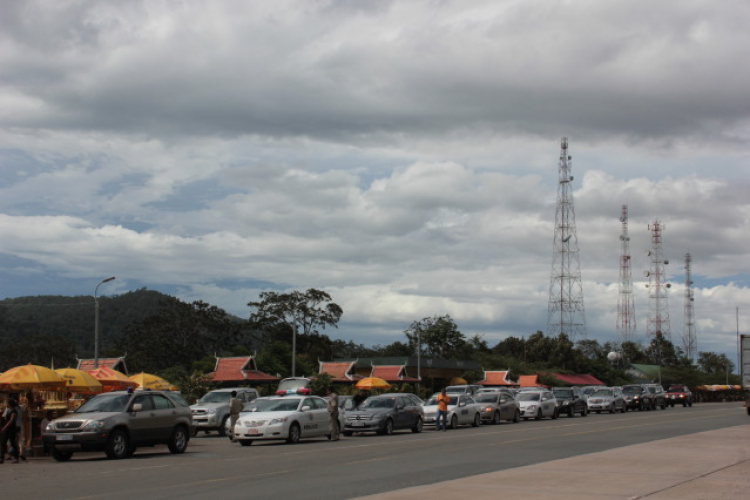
440 337
714 364
296 312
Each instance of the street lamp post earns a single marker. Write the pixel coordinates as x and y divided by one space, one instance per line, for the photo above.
96 320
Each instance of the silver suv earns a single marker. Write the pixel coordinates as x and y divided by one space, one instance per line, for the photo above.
211 412
118 422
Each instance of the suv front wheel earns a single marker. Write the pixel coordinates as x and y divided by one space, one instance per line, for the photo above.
179 440
118 445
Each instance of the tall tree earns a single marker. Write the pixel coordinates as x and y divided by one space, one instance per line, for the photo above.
713 363
296 312
439 337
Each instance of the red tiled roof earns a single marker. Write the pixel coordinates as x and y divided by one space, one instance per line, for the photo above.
529 381
339 372
239 369
578 379
113 363
392 373
496 378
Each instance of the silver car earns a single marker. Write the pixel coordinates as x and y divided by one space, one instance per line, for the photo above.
608 399
537 404
462 410
497 406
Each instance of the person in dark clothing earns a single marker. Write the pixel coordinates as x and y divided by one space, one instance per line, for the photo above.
10 429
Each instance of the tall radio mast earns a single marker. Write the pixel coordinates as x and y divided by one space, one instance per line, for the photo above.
689 340
626 304
658 315
565 313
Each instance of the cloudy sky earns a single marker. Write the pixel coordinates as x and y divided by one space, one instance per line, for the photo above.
402 156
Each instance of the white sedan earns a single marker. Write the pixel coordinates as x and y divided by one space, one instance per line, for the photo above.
462 410
289 418
537 404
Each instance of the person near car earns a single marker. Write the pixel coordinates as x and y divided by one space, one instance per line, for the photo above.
442 413
333 413
359 398
11 429
235 407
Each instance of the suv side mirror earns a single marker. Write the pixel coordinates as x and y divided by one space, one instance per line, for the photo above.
136 407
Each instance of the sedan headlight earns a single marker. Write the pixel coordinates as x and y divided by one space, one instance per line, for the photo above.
50 427
531 407
278 420
93 426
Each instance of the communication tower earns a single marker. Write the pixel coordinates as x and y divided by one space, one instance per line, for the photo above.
689 340
658 315
626 304
565 312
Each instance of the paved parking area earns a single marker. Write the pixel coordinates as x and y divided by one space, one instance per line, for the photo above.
709 465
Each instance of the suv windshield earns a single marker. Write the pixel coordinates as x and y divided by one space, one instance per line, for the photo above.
296 383
631 389
676 389
105 403
216 397
603 393
563 393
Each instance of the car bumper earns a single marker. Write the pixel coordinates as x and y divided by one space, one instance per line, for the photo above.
276 431
206 423
363 426
85 441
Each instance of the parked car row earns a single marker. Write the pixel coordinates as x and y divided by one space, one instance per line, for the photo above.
117 423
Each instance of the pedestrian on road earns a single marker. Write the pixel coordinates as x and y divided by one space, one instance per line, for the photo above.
10 430
235 407
442 414
333 414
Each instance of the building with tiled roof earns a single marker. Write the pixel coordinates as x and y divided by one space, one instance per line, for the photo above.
339 371
497 379
240 369
529 381
392 373
117 364
577 379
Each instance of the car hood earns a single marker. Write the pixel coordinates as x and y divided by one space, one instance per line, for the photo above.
266 415
94 415
367 412
435 408
206 406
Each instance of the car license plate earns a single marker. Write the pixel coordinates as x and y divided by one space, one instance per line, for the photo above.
358 424
253 432
64 437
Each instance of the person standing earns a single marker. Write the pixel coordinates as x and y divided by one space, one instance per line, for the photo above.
442 414
235 407
333 414
11 428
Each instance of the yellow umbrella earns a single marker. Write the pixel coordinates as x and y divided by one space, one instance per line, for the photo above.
370 383
79 381
149 381
31 377
111 380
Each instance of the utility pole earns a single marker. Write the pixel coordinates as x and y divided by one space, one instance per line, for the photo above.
689 339
565 312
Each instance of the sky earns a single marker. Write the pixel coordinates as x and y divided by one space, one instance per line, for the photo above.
402 156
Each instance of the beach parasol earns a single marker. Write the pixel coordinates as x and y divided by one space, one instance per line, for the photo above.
370 383
79 381
31 377
149 381
111 380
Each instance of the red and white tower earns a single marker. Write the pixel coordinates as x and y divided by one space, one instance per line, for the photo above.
565 313
626 303
689 340
658 314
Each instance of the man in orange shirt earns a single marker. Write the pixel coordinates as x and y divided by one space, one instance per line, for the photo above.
442 414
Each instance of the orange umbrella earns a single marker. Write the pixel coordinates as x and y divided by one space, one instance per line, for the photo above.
31 377
149 381
370 383
79 381
111 380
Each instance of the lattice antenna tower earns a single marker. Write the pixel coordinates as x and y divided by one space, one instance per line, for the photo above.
626 304
658 314
689 340
565 312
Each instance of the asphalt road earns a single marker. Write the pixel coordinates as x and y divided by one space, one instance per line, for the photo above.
355 466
